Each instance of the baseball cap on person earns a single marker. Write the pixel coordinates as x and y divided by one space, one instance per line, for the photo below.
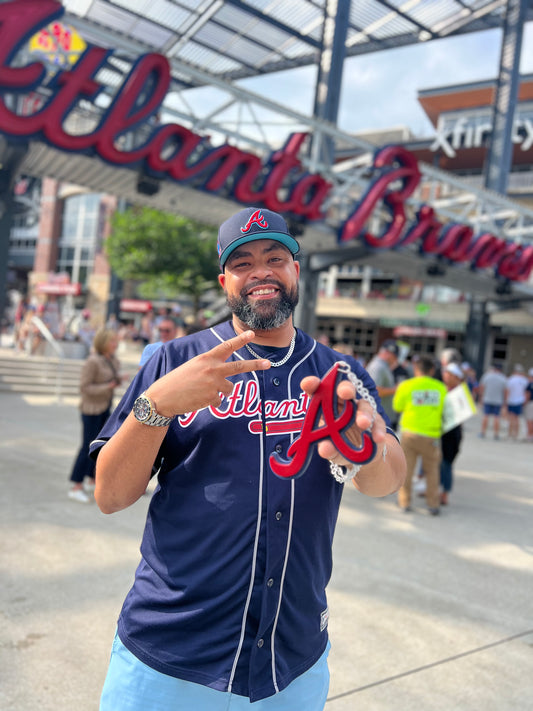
251 224
391 346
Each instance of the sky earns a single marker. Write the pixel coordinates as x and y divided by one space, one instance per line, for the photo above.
379 90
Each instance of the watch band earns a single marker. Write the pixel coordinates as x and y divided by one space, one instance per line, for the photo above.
145 412
156 420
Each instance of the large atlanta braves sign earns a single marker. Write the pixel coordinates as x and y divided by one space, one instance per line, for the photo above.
175 152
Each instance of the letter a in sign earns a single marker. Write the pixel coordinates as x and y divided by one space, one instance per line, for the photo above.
324 403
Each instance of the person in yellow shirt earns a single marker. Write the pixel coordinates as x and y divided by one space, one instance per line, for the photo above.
420 400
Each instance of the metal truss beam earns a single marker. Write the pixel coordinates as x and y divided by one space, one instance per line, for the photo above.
329 80
500 153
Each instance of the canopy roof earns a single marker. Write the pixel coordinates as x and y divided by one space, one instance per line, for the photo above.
213 43
232 39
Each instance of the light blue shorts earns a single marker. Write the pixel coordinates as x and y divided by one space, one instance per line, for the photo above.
131 685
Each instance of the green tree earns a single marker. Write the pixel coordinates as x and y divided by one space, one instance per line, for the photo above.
170 255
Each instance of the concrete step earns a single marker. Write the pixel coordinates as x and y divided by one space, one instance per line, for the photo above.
41 375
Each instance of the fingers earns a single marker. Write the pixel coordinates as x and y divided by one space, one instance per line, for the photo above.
309 384
244 366
224 350
345 389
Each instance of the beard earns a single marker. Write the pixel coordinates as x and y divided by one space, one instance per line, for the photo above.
264 315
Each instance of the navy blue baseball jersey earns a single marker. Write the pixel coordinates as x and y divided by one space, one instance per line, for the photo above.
230 590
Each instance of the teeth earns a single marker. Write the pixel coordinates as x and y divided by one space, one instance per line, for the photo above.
263 292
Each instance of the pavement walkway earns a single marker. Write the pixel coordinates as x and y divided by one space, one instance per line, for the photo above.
427 613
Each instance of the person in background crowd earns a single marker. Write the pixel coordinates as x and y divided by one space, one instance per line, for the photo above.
178 316
51 317
100 375
448 355
343 348
29 333
516 397
469 376
528 407
146 328
380 371
112 323
399 373
85 330
167 330
420 400
492 394
19 334
452 375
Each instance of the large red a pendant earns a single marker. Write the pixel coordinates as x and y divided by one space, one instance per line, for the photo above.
324 403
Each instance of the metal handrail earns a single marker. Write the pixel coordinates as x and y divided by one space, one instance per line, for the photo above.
49 338
47 334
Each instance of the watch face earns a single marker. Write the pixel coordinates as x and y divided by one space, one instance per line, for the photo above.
142 408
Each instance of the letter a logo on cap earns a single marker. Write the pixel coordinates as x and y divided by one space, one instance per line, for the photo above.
256 219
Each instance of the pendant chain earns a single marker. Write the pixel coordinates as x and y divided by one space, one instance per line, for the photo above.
280 362
344 474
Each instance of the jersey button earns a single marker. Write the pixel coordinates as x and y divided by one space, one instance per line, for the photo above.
279 448
270 582
276 381
260 643
278 515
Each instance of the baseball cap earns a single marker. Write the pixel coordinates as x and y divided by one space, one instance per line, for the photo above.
454 369
391 346
251 224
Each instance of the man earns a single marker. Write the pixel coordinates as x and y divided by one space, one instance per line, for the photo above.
421 400
167 329
516 397
380 370
228 605
399 373
492 393
528 407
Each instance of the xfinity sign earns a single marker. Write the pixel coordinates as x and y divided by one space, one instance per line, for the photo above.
473 131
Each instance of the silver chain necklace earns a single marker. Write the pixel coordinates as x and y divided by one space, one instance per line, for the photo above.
280 362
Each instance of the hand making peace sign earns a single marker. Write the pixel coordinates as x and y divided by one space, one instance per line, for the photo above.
199 382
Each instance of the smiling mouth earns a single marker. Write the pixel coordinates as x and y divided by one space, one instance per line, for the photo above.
263 291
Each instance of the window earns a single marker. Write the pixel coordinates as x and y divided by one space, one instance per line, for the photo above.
79 235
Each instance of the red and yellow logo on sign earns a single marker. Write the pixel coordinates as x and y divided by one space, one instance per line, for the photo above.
57 44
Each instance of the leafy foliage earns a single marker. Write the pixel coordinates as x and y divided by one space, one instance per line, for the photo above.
169 254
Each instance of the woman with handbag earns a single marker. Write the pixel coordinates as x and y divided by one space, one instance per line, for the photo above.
99 378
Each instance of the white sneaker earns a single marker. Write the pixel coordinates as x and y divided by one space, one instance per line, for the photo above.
78 495
88 486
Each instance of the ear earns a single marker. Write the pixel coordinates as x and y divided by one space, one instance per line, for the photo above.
222 280
297 268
